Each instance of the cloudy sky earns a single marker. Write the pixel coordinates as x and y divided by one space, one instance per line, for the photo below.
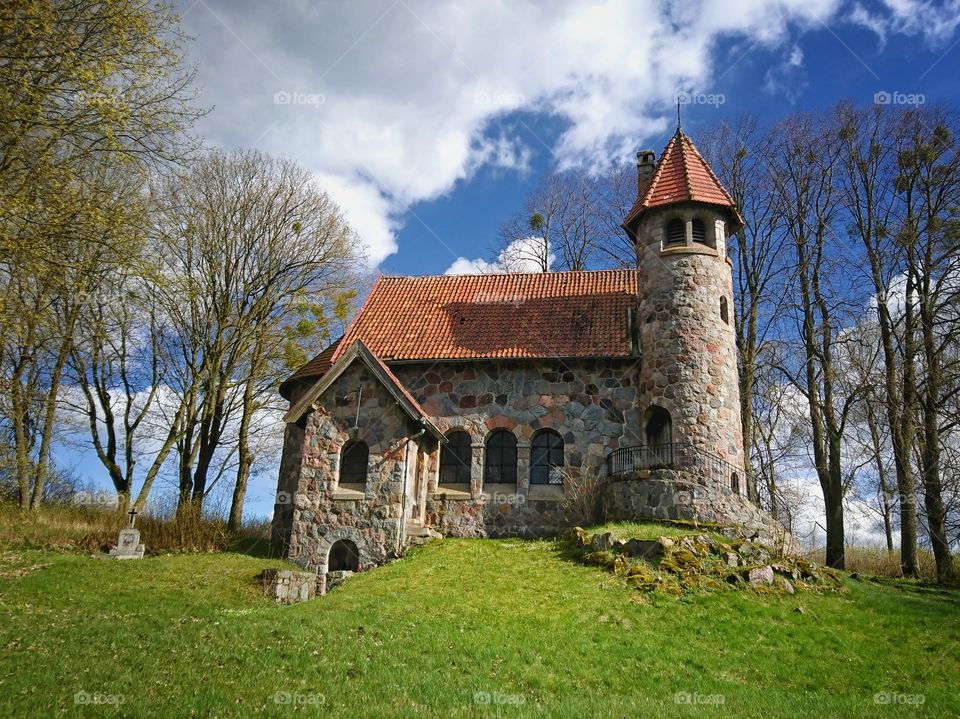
428 119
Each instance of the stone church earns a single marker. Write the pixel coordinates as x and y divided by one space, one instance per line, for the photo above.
477 405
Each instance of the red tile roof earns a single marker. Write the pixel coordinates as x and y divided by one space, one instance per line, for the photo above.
316 367
682 175
545 314
541 315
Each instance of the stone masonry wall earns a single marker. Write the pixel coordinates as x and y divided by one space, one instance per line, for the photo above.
590 403
681 495
323 512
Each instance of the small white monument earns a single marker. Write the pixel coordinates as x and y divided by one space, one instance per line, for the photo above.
128 543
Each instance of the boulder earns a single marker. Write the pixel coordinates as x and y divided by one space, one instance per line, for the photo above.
602 542
761 576
647 549
785 585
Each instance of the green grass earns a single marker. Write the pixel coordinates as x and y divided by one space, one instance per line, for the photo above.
189 635
653 531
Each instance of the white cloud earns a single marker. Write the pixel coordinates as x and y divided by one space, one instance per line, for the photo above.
519 256
392 104
935 22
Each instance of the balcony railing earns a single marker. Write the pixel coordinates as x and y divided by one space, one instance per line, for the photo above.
671 456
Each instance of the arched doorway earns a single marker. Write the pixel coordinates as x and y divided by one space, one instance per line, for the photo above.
658 432
344 556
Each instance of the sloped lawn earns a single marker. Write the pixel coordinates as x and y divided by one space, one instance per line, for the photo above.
461 628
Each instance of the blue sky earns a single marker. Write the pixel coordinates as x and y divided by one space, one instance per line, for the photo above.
429 121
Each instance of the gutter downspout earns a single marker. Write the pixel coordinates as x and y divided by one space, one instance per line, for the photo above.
402 529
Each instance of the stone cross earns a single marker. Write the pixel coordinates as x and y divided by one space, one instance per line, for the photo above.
132 514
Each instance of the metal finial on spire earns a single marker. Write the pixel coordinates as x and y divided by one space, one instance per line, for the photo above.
678 115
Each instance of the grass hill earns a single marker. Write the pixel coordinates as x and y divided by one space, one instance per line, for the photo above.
459 628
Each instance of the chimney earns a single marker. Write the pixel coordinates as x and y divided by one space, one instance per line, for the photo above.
645 164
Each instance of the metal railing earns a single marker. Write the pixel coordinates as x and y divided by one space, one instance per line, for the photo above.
672 456
630 459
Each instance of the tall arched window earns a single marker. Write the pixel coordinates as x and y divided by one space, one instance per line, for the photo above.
699 231
455 458
500 460
724 310
546 458
735 483
353 463
676 232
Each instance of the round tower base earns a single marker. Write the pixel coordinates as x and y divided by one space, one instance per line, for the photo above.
679 495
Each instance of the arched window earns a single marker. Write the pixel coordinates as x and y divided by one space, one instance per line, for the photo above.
659 435
500 460
676 232
699 231
724 310
735 483
353 463
343 556
546 458
455 457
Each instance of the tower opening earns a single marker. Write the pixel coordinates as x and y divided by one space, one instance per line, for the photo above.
724 311
676 233
699 231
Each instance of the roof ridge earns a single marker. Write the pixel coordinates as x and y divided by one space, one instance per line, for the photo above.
685 168
552 273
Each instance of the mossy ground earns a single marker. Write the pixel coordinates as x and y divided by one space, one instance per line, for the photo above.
459 628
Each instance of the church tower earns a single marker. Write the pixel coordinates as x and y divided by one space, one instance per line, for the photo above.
688 388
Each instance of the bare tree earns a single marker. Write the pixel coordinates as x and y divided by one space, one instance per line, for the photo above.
929 182
252 252
558 228
805 161
740 155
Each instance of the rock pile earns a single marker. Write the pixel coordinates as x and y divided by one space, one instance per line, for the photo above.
701 562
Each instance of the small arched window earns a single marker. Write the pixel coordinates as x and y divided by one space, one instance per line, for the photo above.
676 233
500 460
546 458
353 463
735 483
455 458
343 556
699 231
724 311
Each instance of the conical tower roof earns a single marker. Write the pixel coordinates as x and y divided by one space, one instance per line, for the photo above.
682 175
